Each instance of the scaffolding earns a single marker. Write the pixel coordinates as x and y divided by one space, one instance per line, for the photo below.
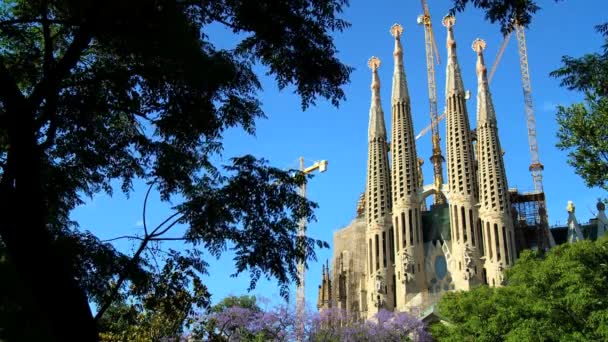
530 220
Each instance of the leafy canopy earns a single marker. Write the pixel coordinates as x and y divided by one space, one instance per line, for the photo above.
505 12
558 297
93 93
583 127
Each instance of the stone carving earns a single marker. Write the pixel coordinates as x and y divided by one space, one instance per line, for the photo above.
361 205
469 263
380 285
600 205
570 208
380 290
407 262
501 275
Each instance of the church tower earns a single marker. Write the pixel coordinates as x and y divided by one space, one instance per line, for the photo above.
379 283
409 271
494 207
462 196
324 300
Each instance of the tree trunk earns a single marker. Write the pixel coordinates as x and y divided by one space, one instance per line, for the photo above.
23 227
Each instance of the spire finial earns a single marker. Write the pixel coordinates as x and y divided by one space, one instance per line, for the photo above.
448 21
374 64
478 46
396 31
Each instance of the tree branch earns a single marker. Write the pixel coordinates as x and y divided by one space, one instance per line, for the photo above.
50 81
169 239
130 237
10 94
135 259
145 206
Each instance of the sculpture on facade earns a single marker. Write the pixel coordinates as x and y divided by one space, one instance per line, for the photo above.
407 262
469 262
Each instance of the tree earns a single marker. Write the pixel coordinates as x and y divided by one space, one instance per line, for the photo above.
236 323
92 92
162 310
505 12
583 126
556 297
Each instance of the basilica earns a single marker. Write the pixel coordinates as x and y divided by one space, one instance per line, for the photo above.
399 255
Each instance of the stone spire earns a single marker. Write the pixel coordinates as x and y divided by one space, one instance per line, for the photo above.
407 224
324 299
453 80
602 220
462 180
494 208
377 128
574 229
378 204
400 92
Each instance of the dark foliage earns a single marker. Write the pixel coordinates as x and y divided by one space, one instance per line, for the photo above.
97 92
505 12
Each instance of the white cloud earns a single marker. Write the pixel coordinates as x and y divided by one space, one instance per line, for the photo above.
139 223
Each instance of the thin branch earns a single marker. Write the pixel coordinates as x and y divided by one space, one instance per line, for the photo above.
168 227
130 237
134 260
169 239
154 232
232 26
145 206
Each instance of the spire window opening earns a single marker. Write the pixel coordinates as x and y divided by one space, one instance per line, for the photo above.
384 249
497 241
377 252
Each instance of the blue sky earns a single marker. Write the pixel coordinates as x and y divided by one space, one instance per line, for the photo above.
339 135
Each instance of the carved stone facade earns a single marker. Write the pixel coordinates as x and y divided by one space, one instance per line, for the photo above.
397 254
495 223
379 277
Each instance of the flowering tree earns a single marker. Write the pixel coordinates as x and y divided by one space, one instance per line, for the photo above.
278 324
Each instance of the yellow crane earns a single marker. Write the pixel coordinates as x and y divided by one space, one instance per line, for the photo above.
432 54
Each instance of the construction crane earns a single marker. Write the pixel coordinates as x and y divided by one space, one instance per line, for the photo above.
490 76
545 239
432 54
300 292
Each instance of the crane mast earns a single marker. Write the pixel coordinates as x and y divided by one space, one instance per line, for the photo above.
536 167
432 54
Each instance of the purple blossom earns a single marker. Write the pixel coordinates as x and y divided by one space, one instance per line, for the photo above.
279 323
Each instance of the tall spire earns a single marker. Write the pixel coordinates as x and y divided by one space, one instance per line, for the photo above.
453 81
400 92
378 204
495 218
377 128
485 107
407 224
462 178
